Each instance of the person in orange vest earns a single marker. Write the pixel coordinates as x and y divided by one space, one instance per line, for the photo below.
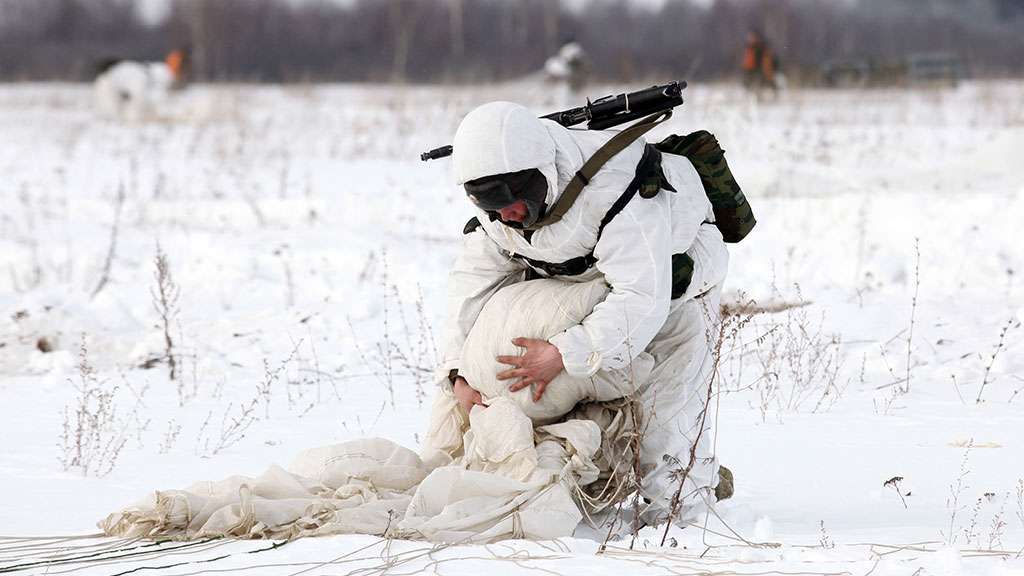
759 63
178 61
753 54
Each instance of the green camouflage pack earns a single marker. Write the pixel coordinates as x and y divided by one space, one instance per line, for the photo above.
733 215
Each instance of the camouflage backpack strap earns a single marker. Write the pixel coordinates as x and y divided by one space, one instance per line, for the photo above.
617 144
648 174
733 215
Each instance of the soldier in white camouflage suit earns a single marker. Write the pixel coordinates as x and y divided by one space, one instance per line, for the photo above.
662 256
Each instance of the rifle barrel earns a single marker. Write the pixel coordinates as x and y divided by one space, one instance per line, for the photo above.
606 112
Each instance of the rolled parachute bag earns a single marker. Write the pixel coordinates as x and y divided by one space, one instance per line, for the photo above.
542 309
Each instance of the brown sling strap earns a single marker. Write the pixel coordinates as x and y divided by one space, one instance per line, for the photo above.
617 144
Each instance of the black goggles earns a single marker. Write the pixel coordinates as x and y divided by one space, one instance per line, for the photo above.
492 193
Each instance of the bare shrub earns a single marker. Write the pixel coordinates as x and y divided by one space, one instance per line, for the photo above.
165 302
237 418
313 372
970 531
799 363
956 492
170 437
825 541
790 361
997 525
412 353
233 428
307 379
93 434
271 376
419 354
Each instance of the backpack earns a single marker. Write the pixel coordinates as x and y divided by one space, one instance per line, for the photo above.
733 215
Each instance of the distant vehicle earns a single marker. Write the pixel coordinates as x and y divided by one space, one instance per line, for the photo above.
846 73
915 69
941 67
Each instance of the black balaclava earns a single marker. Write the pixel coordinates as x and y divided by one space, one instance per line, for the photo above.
492 193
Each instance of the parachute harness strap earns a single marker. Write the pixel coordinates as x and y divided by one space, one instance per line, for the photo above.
584 175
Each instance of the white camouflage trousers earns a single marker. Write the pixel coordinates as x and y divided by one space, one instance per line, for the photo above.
674 400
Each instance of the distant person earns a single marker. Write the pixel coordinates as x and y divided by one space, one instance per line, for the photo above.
760 64
129 90
569 65
179 62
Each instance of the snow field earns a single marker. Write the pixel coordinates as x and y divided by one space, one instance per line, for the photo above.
310 249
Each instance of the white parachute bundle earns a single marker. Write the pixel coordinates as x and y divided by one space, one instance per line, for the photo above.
541 309
505 486
491 475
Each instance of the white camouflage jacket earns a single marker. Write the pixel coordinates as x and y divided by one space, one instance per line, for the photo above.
634 252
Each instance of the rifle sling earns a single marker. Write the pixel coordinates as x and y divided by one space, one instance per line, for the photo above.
650 162
585 174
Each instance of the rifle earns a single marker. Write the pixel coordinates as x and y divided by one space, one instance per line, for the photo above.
605 112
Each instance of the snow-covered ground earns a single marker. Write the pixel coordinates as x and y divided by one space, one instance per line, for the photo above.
872 409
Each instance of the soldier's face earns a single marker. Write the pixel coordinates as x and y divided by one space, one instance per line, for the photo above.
515 212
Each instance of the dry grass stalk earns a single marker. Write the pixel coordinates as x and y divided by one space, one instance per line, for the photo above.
997 525
264 390
283 253
992 360
824 540
413 353
165 302
1017 391
727 328
913 309
894 483
170 437
798 362
112 247
901 384
233 428
1020 501
420 352
956 491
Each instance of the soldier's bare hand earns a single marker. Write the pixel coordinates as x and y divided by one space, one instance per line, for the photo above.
465 394
538 365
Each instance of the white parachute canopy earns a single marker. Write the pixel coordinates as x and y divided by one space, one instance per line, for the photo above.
492 477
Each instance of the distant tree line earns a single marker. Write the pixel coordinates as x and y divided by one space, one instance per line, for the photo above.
472 40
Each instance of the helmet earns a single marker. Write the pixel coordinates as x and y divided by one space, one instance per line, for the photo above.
503 154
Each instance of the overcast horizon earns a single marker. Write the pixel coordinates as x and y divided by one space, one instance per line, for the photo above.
154 10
